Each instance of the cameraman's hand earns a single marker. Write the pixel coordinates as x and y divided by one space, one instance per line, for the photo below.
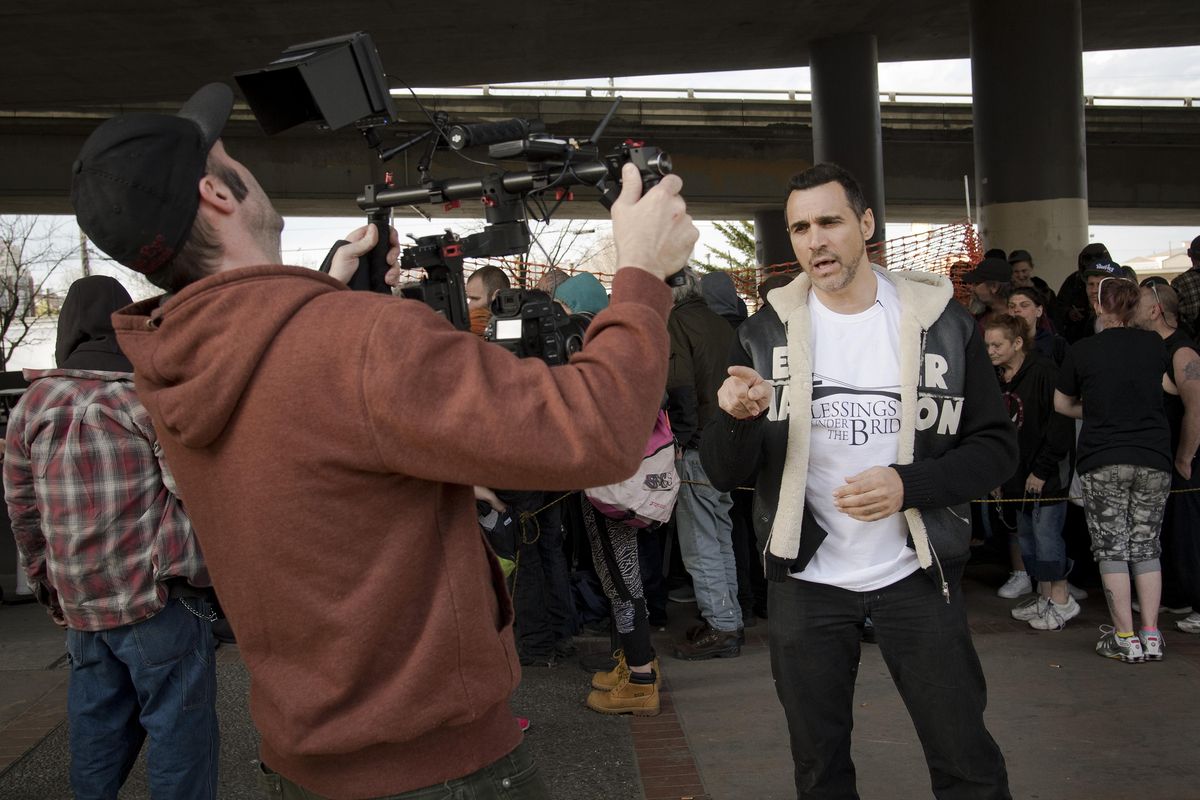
744 394
359 243
654 232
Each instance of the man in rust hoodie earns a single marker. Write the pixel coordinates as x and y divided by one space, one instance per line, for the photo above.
327 442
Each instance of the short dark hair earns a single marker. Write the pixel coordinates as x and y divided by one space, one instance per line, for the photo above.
493 278
827 172
1031 292
201 251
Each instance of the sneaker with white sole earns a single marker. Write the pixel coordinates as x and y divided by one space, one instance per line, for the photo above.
1018 583
1076 592
1113 646
1152 645
1190 623
1137 609
1055 617
1030 608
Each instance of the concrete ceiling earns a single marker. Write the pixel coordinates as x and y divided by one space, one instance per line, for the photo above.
72 54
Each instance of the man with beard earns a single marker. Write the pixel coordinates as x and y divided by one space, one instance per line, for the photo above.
864 466
327 441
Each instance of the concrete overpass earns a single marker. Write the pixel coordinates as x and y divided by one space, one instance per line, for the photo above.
1031 147
735 154
76 53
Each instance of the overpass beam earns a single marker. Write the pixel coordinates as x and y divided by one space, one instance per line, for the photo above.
845 113
1030 156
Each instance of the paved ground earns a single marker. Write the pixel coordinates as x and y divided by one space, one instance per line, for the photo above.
1071 724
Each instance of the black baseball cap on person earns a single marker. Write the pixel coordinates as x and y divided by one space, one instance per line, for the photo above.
1194 250
134 186
990 269
1019 255
1092 253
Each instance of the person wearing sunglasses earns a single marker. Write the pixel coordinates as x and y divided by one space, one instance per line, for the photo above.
1158 311
1114 382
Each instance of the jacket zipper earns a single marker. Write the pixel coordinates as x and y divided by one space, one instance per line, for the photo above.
942 575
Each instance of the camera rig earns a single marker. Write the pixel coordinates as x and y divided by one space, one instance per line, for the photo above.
339 81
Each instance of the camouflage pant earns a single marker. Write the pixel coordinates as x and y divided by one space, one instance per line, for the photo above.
1124 508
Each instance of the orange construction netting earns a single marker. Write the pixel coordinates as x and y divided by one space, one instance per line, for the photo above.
948 250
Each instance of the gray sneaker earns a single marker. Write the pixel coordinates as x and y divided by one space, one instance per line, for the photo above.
1113 646
1018 583
1030 608
1076 592
1054 617
1190 624
1152 646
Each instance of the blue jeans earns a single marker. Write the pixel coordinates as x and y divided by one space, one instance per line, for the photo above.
706 544
156 678
815 637
1040 532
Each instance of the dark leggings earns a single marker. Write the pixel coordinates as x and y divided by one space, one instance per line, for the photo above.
615 554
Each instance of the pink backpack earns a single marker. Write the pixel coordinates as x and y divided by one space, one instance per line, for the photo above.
648 496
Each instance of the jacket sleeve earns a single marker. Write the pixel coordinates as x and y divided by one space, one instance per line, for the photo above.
21 499
986 453
732 449
1056 440
443 405
683 406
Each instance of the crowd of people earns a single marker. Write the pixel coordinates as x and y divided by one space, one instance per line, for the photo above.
867 409
1119 358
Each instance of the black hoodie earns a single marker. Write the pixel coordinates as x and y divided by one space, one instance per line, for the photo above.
85 331
1043 435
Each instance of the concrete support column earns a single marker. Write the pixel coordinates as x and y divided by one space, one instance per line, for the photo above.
1030 151
845 113
771 242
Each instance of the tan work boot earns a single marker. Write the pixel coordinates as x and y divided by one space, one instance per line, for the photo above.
607 681
626 698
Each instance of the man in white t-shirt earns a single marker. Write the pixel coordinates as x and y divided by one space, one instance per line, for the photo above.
865 409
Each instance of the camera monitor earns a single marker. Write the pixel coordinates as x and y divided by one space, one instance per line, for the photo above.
337 81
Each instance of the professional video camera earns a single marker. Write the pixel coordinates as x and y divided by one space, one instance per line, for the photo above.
340 81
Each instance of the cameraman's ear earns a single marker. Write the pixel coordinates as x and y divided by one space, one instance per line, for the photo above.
216 195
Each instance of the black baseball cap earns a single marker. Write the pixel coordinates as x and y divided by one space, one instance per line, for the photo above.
134 186
990 269
1108 269
1194 250
1092 253
1019 255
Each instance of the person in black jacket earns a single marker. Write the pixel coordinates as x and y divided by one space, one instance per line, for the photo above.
1044 437
699 344
862 404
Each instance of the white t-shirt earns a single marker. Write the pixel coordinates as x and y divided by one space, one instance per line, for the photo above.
855 426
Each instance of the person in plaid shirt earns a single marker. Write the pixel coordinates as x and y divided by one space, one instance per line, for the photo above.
108 549
1187 286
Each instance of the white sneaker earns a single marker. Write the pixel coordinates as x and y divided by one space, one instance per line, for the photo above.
1152 646
1055 617
1030 608
1018 583
1190 623
1076 592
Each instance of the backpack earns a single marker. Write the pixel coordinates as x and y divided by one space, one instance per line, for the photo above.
648 496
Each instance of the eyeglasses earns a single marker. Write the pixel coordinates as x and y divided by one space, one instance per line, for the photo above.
1157 301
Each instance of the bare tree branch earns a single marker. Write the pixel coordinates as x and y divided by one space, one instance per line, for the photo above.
30 254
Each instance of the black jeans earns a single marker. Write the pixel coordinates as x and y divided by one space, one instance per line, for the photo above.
815 640
544 608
